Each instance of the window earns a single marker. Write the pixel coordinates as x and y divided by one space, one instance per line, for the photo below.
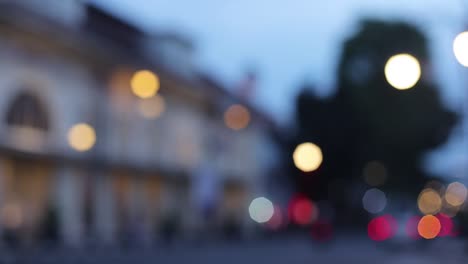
27 111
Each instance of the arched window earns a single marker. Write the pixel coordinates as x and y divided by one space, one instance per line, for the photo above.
27 111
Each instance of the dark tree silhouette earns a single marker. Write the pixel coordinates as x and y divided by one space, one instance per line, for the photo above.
369 120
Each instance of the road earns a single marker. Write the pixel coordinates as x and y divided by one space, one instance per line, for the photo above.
289 251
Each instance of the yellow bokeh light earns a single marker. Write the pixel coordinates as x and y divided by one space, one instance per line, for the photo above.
460 48
429 201
402 71
456 193
307 157
152 108
81 137
144 83
237 117
429 227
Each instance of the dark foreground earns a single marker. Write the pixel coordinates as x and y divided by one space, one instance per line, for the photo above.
289 251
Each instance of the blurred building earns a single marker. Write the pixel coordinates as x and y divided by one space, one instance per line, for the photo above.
82 158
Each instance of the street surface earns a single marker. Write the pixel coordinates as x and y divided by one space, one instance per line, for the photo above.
288 251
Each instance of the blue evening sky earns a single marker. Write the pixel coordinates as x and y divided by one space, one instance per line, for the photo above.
289 41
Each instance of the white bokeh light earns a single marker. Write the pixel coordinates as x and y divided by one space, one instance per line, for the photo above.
261 210
456 194
307 157
374 201
460 48
402 71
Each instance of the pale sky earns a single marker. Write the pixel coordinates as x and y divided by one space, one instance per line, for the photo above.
287 40
290 41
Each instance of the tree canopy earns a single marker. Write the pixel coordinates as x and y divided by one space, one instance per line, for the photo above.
368 120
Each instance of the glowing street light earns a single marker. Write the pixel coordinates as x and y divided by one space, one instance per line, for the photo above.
402 71
307 157
261 210
460 48
81 137
144 84
456 193
429 201
237 117
429 227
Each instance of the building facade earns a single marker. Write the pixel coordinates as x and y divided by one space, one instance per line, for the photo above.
160 166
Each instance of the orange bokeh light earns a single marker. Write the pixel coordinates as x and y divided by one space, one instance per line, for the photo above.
237 117
429 227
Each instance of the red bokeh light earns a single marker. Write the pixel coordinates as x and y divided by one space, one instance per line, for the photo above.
411 227
302 211
382 228
446 225
322 230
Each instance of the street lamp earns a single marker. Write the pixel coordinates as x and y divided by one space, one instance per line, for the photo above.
402 71
460 48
